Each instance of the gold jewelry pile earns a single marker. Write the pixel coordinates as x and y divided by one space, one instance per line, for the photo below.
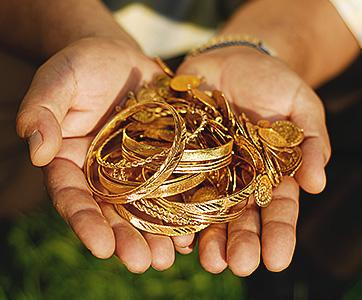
175 159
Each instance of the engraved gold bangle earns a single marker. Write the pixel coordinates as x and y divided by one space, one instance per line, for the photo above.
170 187
157 228
165 169
177 159
213 205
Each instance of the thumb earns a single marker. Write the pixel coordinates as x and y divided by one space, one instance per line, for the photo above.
39 126
42 111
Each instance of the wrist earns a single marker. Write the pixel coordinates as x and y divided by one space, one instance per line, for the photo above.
225 60
287 46
92 39
309 36
65 22
103 47
225 41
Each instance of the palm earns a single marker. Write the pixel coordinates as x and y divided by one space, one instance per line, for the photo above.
73 94
263 88
94 81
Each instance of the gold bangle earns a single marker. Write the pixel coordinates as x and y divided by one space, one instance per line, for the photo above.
193 160
157 228
164 171
169 188
177 159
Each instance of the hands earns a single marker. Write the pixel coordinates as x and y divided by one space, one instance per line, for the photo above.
70 97
263 87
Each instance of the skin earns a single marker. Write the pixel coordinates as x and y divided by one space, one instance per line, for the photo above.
308 35
281 94
93 63
308 54
70 96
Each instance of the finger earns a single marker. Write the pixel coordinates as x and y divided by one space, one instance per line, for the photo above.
131 247
212 248
243 245
187 249
184 244
68 190
43 110
308 113
183 241
311 176
279 221
162 251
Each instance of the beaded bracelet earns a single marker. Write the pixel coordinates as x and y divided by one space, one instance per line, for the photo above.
233 40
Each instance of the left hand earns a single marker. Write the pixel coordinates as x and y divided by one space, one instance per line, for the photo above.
71 95
264 88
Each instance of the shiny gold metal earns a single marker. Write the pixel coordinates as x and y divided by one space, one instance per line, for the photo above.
183 83
175 159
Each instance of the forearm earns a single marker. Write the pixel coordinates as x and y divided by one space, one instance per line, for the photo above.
44 27
309 35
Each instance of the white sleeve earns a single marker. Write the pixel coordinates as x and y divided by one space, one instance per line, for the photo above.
351 13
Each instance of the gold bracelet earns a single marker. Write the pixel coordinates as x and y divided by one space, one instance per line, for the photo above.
164 171
176 159
218 203
157 228
169 188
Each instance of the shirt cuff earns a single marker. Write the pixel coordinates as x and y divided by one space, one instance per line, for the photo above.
351 13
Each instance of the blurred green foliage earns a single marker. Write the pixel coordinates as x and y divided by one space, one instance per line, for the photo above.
44 260
355 292
40 258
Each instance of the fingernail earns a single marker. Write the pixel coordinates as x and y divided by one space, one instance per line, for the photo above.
35 141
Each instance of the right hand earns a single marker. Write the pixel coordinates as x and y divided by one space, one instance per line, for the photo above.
70 97
264 88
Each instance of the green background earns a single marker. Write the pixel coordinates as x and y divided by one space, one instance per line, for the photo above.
42 259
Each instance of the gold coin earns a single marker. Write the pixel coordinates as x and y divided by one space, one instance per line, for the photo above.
164 67
183 83
148 94
145 116
272 138
162 85
290 162
203 98
289 131
204 194
224 107
263 191
264 123
253 133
